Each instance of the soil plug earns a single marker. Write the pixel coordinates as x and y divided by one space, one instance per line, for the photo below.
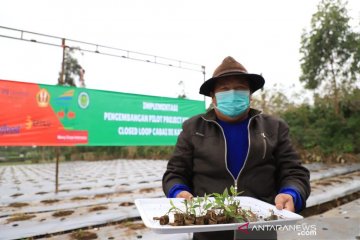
200 220
189 219
220 219
210 217
179 219
163 219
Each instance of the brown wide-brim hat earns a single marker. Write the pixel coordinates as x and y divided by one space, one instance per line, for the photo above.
230 67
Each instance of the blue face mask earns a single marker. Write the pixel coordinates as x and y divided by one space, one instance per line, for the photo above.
233 103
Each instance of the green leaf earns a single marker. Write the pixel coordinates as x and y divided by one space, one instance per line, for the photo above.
232 191
208 206
225 193
227 208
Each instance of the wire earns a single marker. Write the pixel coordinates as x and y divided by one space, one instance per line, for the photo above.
104 50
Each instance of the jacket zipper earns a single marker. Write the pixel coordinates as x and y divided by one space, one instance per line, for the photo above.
247 155
264 139
235 180
222 130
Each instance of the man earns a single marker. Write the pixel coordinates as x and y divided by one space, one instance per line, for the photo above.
235 145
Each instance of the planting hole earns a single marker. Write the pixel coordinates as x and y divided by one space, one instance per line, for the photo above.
126 204
62 213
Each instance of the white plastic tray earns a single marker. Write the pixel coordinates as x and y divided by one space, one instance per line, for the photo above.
156 207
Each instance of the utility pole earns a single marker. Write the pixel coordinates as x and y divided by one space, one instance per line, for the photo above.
63 62
58 147
204 75
57 169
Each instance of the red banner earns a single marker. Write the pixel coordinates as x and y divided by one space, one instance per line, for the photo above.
27 118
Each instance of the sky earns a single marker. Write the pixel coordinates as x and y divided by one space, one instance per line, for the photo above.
263 35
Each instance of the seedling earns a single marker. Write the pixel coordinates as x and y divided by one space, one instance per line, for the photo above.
221 208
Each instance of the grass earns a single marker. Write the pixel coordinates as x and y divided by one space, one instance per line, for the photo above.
14 163
26 162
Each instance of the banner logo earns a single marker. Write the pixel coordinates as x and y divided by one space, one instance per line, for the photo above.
65 101
5 130
83 100
65 98
43 98
30 123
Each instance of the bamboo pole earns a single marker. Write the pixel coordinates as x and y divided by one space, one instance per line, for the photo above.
57 170
63 62
58 148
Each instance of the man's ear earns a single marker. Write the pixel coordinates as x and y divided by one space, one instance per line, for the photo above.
213 99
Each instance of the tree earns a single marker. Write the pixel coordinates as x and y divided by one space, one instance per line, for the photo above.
329 51
356 63
72 69
182 93
271 100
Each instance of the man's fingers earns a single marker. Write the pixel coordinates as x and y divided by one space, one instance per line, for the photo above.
185 194
284 201
279 201
289 205
279 206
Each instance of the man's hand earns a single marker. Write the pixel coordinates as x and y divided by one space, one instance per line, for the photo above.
284 201
185 194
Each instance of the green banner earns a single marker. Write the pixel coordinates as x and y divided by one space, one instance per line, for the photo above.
55 115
